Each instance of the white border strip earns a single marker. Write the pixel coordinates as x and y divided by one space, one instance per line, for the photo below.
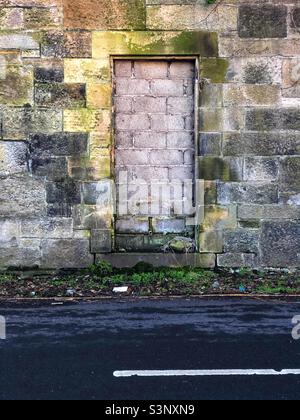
237 372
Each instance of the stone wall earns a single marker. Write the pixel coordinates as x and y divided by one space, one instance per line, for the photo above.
56 116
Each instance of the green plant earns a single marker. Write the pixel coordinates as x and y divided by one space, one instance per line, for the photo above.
211 1
102 269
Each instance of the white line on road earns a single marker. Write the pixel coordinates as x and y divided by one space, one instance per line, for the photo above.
237 372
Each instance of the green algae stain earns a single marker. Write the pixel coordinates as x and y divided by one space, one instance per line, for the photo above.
214 69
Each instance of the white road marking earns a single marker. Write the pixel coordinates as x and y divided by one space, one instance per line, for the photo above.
237 372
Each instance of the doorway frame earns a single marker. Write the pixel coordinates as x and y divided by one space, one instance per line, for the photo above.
191 58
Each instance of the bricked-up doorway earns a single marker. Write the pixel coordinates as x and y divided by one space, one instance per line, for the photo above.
155 143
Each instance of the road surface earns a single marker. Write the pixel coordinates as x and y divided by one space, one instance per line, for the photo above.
86 350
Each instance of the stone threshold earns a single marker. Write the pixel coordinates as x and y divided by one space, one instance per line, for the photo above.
129 260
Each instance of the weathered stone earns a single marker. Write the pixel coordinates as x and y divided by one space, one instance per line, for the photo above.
214 69
86 71
256 193
183 16
242 240
47 228
43 18
98 14
224 169
78 44
67 191
219 218
16 89
18 42
290 175
261 169
90 217
261 144
267 21
13 158
52 44
237 260
22 196
211 241
59 144
86 120
23 254
48 75
250 95
19 122
280 244
60 95
273 119
99 193
101 241
133 225
159 260
210 144
168 225
66 253
53 169
266 212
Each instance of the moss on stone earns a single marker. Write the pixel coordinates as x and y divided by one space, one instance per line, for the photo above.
215 168
214 69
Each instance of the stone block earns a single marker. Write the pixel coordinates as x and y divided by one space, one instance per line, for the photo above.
263 21
60 95
20 122
13 158
99 96
52 44
237 260
91 217
59 144
126 86
290 175
99 14
267 212
250 95
24 254
22 196
49 75
78 44
101 241
67 191
52 169
87 120
16 89
47 228
211 241
86 70
242 240
99 193
280 244
21 42
273 119
255 192
261 144
132 157
261 169
133 225
43 18
146 140
224 169
66 253
210 144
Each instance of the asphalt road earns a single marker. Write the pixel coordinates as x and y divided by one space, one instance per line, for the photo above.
71 351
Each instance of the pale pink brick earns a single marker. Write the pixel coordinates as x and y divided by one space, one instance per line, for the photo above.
166 157
189 123
123 68
151 69
124 140
189 157
183 105
149 173
123 104
149 104
132 87
180 140
182 70
181 173
132 122
132 157
167 87
167 122
150 140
